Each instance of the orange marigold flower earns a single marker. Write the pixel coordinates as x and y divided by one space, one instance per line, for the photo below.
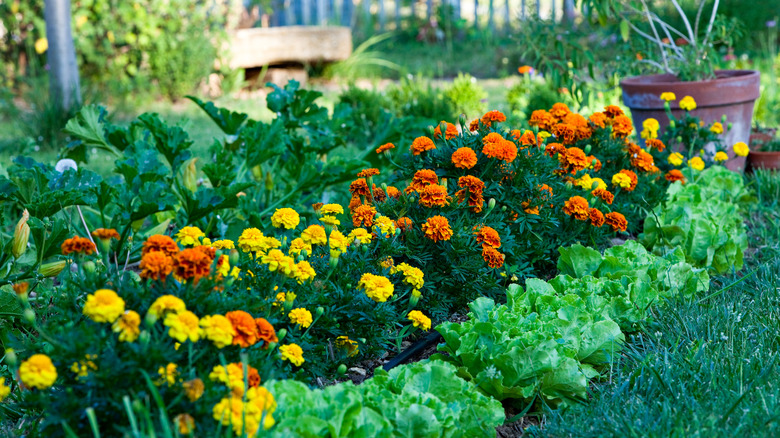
643 161
404 223
573 159
545 188
359 187
654 143
580 124
363 216
105 234
379 194
317 206
164 244
525 69
474 125
604 194
528 138
209 251
464 158
529 210
674 175
633 177
493 116
393 192
594 163
354 202
622 127
449 133
559 110
488 236
21 288
475 188
155 265
434 195
553 148
245 326
541 119
191 263
598 120
617 221
365 173
421 179
422 144
613 111
78 245
565 133
577 206
265 332
437 228
385 147
495 146
492 256
596 217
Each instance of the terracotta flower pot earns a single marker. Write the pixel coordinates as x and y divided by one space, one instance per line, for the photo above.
733 94
763 160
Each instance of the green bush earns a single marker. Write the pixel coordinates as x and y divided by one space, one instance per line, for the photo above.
466 96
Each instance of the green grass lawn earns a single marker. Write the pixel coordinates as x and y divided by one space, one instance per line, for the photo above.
707 367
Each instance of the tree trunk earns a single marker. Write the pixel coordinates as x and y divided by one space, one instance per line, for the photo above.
63 69
568 11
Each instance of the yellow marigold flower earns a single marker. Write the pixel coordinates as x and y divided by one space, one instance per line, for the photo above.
598 183
38 372
675 158
5 390
720 156
277 261
386 225
301 317
361 234
189 236
716 128
387 262
696 163
280 298
412 275
183 325
245 417
286 218
376 287
304 272
251 240
668 96
217 329
292 353
621 180
82 367
297 246
165 304
741 149
41 45
193 389
651 124
338 243
223 244
585 182
347 344
104 306
169 374
331 209
687 103
314 235
330 220
419 320
185 423
128 326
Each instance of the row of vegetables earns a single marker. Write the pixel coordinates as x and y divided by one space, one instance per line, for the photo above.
208 325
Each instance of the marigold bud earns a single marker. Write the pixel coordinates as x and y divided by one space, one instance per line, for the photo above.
257 172
89 267
281 334
189 176
414 298
319 311
269 182
342 369
671 122
29 316
587 149
21 235
10 358
492 203
52 269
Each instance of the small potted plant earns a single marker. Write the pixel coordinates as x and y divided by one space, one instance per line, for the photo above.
764 154
684 60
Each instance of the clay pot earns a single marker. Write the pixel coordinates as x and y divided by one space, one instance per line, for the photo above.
763 160
733 94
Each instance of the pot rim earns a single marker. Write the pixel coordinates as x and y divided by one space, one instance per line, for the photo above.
671 80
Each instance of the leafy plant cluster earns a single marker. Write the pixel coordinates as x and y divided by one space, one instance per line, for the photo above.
551 339
424 399
705 218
